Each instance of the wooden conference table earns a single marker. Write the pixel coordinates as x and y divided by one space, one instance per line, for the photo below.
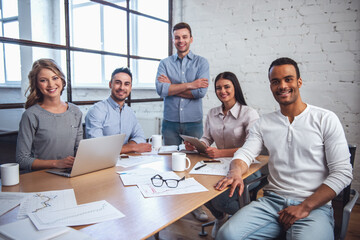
143 216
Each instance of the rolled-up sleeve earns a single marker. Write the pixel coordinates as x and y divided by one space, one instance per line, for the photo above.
252 147
137 134
162 88
337 154
203 72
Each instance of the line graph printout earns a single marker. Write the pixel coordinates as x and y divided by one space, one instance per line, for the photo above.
46 201
9 200
88 213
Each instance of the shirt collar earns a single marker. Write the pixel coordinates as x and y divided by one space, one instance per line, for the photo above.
114 104
190 56
234 111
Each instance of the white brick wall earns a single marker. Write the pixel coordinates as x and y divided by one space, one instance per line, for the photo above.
245 36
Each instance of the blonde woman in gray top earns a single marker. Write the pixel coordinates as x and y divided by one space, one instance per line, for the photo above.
228 126
50 129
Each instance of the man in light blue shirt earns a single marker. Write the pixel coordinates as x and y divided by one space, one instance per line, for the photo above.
112 116
182 80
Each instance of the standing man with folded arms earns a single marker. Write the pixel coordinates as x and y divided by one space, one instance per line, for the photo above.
182 80
112 116
309 165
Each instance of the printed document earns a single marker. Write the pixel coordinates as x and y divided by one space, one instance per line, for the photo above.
220 169
137 176
189 185
137 160
84 214
9 200
46 201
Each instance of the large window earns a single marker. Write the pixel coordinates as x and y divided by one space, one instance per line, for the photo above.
87 38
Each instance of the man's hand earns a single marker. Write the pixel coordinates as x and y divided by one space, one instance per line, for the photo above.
291 214
199 83
163 79
213 152
233 178
142 147
65 162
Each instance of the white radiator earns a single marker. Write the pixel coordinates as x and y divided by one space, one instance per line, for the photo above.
150 126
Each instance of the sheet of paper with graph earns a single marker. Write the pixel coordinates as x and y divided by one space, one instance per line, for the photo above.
46 201
88 213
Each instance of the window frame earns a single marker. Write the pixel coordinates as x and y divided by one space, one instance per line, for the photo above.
70 49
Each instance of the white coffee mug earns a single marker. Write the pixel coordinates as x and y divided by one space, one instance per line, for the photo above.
178 161
156 142
9 174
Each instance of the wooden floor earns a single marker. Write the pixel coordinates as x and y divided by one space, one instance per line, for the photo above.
188 228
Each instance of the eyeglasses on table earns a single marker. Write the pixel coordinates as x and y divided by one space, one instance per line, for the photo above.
158 181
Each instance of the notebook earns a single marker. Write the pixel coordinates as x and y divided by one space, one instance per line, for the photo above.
94 154
196 142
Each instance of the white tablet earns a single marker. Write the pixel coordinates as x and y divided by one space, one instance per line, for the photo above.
200 147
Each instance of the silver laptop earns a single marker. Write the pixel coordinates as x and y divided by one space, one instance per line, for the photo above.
94 154
200 147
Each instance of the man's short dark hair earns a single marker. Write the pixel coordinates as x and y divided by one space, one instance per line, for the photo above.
122 70
182 25
284 61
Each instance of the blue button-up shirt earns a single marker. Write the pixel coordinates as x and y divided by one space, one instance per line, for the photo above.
188 69
105 118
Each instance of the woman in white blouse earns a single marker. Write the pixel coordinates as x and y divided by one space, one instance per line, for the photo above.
228 126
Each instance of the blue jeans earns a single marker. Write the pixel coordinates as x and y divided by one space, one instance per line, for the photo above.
171 131
259 220
224 204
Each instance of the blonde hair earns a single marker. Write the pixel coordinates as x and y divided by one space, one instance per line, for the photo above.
35 96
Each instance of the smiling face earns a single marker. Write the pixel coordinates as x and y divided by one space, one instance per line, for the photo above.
284 84
225 91
49 84
182 41
120 87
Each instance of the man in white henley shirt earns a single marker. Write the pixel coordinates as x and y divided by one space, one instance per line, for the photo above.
308 166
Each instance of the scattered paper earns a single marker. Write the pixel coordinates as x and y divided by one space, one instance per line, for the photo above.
137 176
220 169
9 200
137 160
46 201
189 185
24 229
84 214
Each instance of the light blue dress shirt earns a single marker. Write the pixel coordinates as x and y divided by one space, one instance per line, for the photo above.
188 69
105 118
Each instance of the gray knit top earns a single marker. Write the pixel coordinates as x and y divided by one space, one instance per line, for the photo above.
48 136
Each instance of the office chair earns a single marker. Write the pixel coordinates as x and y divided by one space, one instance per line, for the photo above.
246 198
344 203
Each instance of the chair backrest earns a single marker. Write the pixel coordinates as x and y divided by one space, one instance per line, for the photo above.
343 198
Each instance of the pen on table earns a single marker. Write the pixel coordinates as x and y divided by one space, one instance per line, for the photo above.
197 168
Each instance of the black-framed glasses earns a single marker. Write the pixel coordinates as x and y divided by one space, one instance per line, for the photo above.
158 181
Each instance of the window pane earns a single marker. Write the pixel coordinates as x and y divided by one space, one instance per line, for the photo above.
115 35
86 69
144 72
86 27
111 63
19 71
12 64
142 29
156 8
10 8
121 3
2 72
11 30
42 21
